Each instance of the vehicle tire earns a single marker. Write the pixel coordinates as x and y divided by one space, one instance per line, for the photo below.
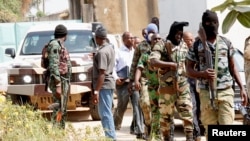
93 110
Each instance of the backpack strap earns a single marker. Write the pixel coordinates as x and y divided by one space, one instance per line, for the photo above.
195 46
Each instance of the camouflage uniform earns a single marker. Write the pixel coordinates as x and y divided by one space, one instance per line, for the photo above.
224 99
173 91
151 75
247 64
57 78
143 47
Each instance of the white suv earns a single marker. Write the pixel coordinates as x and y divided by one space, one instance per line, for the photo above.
25 81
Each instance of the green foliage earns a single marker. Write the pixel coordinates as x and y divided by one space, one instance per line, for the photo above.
10 10
244 19
229 20
40 14
237 10
22 123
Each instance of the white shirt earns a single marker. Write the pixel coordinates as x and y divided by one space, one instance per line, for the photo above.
124 57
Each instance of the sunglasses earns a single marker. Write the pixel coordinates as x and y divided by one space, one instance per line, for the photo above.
157 39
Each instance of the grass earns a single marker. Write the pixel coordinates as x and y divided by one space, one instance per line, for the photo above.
22 123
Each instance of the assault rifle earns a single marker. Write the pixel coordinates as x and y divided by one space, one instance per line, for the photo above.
46 75
245 111
65 90
209 64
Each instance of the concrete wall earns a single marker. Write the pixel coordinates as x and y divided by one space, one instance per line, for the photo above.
110 13
140 12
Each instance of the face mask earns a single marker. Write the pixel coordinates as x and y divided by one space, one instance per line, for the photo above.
211 30
210 24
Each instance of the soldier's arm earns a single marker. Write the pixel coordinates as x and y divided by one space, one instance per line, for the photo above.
136 57
54 60
236 76
247 49
138 72
190 63
191 72
155 58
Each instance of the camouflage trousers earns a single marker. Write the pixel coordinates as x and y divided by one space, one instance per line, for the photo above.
155 114
224 103
183 105
64 86
145 102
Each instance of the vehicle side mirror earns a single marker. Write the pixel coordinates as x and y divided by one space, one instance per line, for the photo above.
10 52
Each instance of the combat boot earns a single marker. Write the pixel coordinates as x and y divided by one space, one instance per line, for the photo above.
168 136
189 136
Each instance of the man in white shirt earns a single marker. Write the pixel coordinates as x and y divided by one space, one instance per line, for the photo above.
123 63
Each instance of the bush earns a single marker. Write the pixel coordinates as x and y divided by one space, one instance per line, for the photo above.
22 123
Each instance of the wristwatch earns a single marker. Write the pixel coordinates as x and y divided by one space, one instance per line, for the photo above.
96 92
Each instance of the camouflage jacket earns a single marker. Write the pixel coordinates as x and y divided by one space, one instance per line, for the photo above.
150 73
224 78
247 63
59 61
143 47
171 53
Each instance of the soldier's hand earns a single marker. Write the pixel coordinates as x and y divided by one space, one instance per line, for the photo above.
173 66
119 82
137 85
96 98
209 74
244 97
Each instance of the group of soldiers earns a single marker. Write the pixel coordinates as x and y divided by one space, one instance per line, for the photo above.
160 71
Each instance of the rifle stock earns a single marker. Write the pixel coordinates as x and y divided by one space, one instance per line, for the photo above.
209 64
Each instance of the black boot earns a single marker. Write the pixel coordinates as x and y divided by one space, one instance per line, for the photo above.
141 136
189 136
169 136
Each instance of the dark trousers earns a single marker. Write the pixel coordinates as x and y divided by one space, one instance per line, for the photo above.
122 103
196 106
138 121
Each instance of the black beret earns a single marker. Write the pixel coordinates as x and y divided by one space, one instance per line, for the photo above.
60 30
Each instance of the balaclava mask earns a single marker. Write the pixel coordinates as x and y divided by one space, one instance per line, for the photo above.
174 29
210 24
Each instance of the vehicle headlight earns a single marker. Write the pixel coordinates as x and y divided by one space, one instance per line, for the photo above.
82 77
27 79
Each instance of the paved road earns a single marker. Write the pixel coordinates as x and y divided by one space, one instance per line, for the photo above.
80 120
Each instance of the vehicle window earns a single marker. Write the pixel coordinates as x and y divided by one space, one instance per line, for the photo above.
239 60
77 42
